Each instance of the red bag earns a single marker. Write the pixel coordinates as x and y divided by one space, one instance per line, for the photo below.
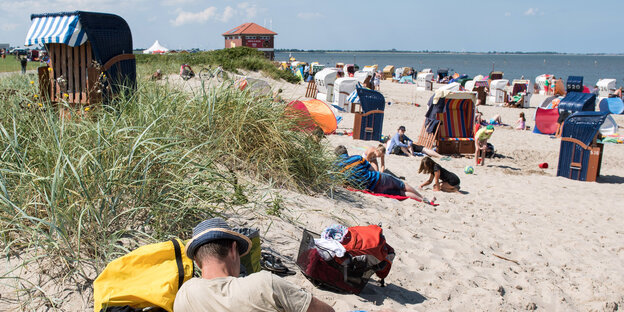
369 242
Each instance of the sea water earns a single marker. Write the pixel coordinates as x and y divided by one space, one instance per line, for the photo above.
514 66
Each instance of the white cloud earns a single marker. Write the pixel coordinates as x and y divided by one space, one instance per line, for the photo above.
190 17
309 15
531 11
251 10
8 26
507 13
228 13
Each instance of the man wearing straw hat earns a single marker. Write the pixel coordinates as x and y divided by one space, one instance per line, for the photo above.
217 250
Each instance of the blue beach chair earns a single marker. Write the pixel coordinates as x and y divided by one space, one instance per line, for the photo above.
580 154
368 124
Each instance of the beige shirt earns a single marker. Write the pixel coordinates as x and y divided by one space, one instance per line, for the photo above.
260 291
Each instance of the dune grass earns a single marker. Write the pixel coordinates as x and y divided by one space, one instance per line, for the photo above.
145 167
230 59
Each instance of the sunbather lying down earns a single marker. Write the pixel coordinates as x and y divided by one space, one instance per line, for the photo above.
360 174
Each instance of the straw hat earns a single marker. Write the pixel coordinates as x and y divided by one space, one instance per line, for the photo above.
215 229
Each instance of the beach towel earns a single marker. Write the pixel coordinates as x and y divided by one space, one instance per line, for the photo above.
397 197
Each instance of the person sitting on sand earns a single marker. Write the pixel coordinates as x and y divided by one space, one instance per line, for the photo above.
521 123
481 138
443 180
216 250
372 153
400 144
618 92
360 174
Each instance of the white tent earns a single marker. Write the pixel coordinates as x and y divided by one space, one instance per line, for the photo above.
605 87
325 84
156 48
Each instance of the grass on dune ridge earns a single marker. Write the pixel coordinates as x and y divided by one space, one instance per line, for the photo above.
230 59
147 167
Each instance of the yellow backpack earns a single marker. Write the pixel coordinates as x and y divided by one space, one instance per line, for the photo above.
149 276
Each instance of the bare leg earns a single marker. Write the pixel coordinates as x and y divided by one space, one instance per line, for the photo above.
483 154
412 193
431 152
449 188
407 151
477 151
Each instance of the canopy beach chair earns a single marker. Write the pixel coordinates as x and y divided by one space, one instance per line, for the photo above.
90 56
449 124
580 154
368 123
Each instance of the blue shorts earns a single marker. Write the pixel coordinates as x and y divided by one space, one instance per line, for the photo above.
389 185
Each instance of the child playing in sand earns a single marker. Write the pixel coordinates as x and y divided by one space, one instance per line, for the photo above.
443 180
481 138
521 123
372 153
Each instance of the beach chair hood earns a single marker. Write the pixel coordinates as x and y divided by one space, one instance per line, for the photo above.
583 126
576 102
109 34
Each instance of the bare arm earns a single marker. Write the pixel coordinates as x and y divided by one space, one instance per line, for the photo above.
319 306
374 164
436 183
383 165
428 181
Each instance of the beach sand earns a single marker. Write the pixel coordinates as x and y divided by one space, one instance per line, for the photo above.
564 239
519 238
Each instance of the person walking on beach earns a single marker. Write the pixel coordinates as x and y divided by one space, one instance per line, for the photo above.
481 138
23 62
443 180
400 144
376 81
217 250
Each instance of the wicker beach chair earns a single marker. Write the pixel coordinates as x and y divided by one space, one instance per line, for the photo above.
368 124
580 154
91 56
449 124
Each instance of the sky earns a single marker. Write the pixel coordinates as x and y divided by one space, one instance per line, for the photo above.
570 26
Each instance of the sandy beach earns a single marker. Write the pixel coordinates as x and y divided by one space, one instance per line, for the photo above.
520 238
517 238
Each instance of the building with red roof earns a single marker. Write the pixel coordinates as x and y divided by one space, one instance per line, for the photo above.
251 35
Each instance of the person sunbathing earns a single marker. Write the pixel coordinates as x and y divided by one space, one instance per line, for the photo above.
495 120
358 173
372 153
